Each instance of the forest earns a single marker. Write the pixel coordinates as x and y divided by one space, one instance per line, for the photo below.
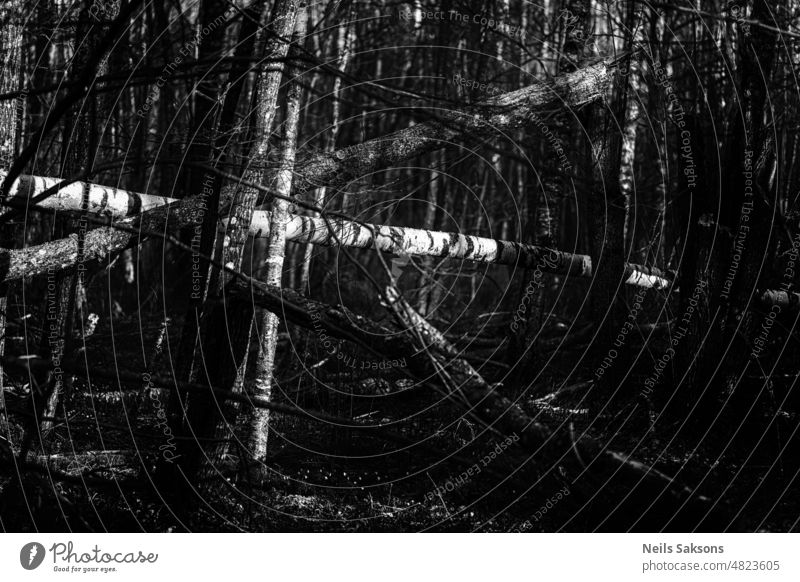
394 266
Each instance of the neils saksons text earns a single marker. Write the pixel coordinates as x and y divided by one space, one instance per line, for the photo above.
663 548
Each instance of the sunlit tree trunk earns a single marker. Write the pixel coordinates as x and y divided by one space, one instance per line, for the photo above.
258 423
227 328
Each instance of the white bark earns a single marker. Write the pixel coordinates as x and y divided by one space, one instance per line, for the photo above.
413 241
397 240
103 200
276 250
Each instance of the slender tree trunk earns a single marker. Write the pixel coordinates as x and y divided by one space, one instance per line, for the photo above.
574 22
606 205
345 40
628 162
751 211
227 328
197 181
193 415
428 296
258 423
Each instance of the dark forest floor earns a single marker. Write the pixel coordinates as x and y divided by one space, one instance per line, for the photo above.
323 478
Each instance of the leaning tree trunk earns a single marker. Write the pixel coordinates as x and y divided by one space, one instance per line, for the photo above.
497 115
265 366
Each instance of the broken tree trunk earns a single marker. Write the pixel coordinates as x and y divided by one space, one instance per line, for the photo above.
102 200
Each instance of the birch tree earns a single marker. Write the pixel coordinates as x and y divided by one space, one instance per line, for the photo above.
276 248
228 328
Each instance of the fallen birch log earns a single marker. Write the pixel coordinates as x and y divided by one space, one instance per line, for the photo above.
103 242
81 196
405 241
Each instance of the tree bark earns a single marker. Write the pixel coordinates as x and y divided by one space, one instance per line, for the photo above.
258 423
209 107
497 114
10 54
229 327
103 243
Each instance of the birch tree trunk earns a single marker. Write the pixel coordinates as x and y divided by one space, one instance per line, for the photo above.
258 423
628 162
102 243
227 328
428 295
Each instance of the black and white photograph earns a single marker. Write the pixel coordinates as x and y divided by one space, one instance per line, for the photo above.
395 266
